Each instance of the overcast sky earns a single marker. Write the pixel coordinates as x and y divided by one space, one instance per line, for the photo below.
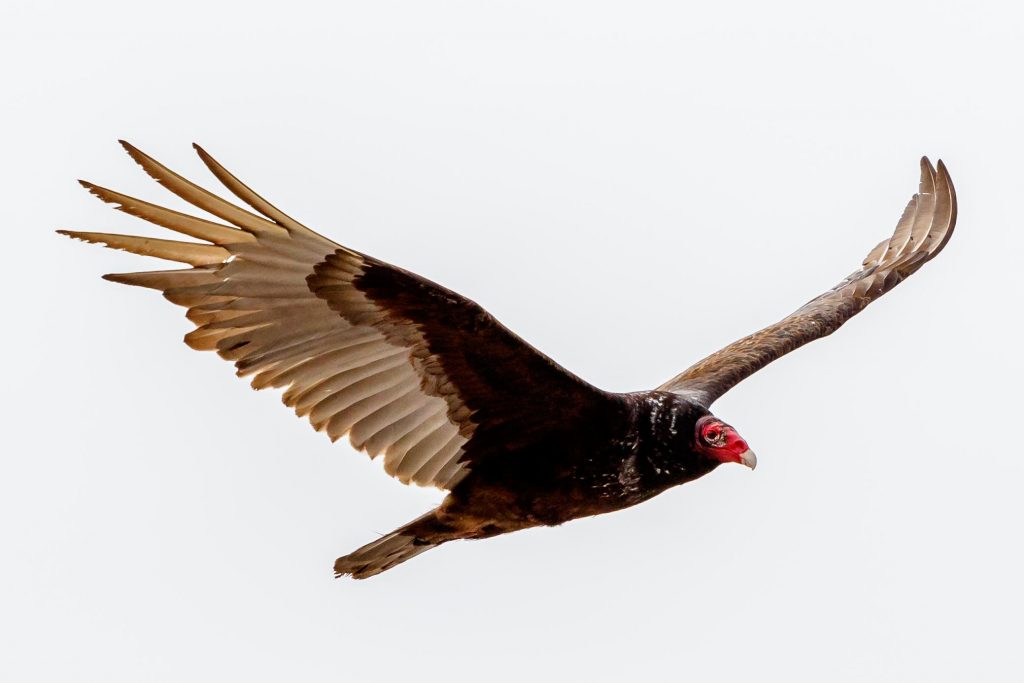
627 185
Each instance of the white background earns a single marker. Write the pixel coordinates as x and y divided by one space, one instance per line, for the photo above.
629 186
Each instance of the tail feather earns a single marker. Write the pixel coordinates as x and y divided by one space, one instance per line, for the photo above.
400 545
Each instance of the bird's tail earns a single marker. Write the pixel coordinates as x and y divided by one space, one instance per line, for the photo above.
419 535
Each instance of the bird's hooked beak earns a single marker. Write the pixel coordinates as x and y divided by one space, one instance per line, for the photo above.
738 449
748 458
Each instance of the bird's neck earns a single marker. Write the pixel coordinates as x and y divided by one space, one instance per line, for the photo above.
664 453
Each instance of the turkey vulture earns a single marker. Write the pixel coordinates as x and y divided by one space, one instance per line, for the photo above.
447 395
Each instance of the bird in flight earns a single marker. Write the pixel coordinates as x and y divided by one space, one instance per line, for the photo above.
445 394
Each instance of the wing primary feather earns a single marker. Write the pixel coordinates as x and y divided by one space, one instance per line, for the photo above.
926 213
947 208
200 228
183 252
165 279
247 195
200 197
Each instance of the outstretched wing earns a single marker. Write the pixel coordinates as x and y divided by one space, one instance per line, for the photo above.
926 226
406 368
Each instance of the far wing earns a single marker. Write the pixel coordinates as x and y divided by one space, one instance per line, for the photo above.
922 232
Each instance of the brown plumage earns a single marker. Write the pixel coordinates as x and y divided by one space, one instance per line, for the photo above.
448 396
922 232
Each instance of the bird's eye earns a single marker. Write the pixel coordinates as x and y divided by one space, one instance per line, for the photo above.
714 435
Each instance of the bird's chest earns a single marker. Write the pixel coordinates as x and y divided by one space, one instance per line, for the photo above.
613 478
626 474
557 487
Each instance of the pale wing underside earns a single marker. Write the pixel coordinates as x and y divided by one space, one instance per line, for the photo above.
247 293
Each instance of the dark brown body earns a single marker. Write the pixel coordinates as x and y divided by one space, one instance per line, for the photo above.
644 445
641 450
